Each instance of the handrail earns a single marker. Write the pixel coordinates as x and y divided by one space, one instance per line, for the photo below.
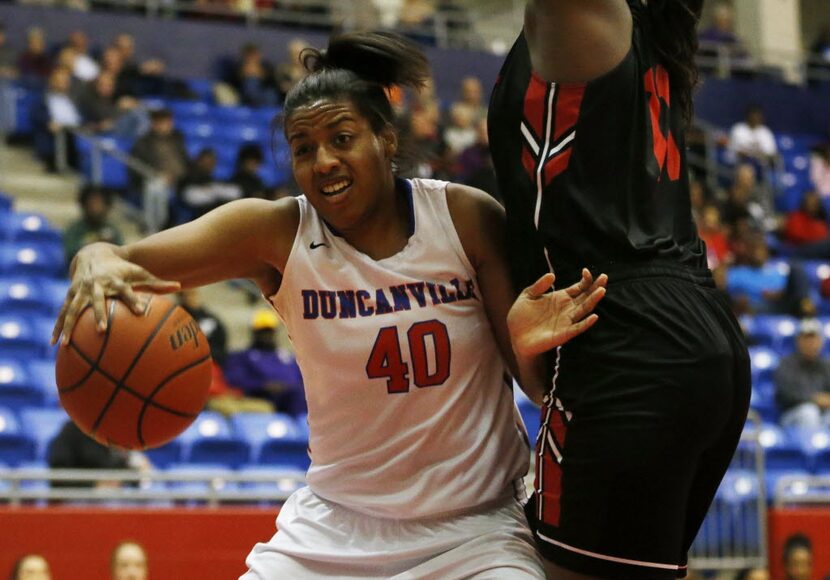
802 495
140 488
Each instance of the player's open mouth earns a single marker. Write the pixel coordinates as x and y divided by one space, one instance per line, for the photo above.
336 188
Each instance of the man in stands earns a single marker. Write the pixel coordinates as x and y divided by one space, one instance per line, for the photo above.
802 381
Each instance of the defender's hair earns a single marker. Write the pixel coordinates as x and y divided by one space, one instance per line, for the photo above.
674 28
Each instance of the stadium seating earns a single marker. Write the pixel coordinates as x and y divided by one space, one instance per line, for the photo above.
32 258
17 388
27 227
24 296
42 425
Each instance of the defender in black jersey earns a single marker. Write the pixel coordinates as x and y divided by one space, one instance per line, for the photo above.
646 408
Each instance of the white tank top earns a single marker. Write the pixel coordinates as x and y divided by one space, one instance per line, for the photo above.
410 407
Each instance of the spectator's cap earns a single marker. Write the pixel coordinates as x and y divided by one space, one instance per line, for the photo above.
809 326
265 320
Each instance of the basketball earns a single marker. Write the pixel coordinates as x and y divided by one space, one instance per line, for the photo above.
142 381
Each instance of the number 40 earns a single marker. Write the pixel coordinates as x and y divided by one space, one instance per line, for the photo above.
386 360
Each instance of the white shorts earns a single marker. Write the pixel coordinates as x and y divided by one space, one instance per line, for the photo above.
319 539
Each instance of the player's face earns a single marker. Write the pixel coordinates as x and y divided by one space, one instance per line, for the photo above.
343 166
130 564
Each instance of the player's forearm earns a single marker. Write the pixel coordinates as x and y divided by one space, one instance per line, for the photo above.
533 377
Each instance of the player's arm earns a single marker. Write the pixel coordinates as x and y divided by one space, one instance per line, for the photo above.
538 321
577 41
249 238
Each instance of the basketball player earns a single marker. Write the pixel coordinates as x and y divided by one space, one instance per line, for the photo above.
395 294
587 131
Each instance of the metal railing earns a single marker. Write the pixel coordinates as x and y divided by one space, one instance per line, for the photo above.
793 490
130 488
734 534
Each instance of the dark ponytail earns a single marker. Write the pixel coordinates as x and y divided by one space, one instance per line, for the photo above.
674 29
360 67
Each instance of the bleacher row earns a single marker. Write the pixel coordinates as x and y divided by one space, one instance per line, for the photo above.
222 128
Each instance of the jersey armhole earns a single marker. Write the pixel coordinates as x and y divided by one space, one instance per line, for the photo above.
302 204
448 225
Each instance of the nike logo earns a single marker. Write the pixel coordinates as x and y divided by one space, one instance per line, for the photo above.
315 245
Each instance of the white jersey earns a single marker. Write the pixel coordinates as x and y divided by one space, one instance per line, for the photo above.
410 407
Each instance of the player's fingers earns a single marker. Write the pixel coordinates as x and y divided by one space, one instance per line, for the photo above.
131 299
56 331
601 282
584 284
99 306
79 302
583 325
158 286
541 286
586 307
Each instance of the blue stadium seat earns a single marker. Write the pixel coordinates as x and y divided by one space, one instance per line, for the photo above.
203 88
23 295
232 115
763 401
821 463
257 428
166 455
39 259
42 375
775 331
16 448
285 452
764 361
8 421
25 102
17 389
28 227
811 441
189 111
227 451
25 337
771 479
197 129
53 293
207 424
42 425
737 499
243 133
6 203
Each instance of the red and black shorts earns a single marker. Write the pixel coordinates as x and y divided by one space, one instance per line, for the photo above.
644 416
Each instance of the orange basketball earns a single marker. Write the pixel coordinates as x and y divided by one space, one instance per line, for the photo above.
142 381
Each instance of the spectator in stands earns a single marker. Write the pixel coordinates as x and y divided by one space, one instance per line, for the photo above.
34 64
246 177
719 43
102 112
818 67
200 191
265 371
53 118
712 232
93 225
802 380
752 141
461 131
820 169
798 558
72 449
743 203
129 562
291 71
415 16
8 62
66 58
162 148
475 166
253 79
807 228
753 574
212 327
760 287
141 78
472 97
31 567
85 67
112 62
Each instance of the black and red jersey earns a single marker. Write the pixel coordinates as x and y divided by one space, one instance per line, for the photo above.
592 174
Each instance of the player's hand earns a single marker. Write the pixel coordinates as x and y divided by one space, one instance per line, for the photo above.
540 320
100 273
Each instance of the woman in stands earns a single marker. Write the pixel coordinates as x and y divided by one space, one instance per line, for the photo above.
396 295
643 414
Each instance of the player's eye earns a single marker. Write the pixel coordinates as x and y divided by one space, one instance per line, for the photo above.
343 138
301 150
